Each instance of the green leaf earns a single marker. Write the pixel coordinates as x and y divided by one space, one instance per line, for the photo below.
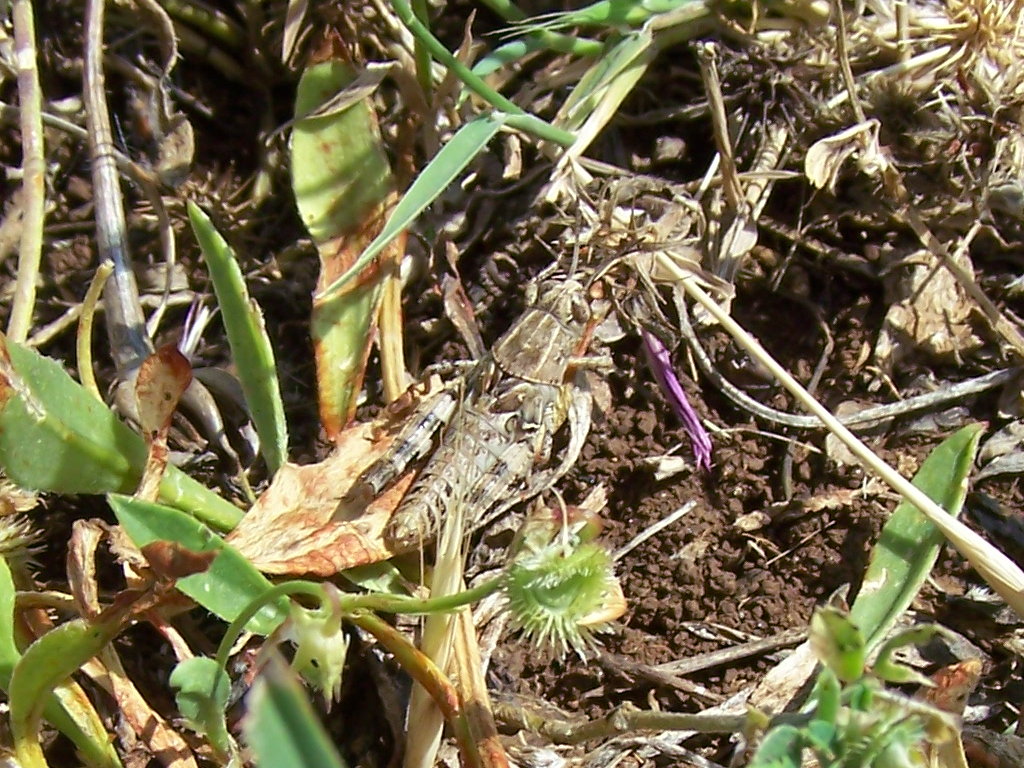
781 747
282 729
48 662
340 171
9 653
909 543
55 436
201 691
67 708
838 644
227 586
247 337
454 156
343 187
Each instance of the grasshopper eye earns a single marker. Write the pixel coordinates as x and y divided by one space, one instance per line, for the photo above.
580 311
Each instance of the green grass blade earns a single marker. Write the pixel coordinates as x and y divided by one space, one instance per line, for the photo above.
623 62
909 543
55 436
454 156
227 586
517 49
247 337
528 123
282 729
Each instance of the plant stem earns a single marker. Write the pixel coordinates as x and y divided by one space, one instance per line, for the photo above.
83 341
526 122
421 52
33 166
427 674
129 345
417 605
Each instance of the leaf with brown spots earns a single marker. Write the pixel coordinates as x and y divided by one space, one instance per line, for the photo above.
162 380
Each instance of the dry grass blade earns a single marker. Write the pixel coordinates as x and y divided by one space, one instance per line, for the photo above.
33 198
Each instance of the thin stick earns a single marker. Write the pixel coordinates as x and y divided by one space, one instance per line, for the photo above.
844 60
867 419
1001 573
33 166
83 341
658 527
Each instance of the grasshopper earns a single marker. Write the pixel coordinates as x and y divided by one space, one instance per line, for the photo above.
496 423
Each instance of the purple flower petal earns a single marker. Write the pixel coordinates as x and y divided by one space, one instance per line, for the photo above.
660 362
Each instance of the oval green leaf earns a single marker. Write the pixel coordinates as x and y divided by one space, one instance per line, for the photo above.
55 436
227 586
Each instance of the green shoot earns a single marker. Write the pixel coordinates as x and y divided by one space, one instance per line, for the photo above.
247 337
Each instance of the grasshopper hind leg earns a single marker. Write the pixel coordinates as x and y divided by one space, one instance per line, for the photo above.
413 443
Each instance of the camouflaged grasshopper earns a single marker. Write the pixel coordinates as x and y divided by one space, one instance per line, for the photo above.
497 423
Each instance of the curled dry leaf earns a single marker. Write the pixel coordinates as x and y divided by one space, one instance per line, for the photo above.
826 156
85 538
304 523
929 311
170 561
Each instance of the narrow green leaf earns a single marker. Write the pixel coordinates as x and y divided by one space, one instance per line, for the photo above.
622 63
909 543
247 337
48 662
55 436
515 50
460 150
282 729
227 586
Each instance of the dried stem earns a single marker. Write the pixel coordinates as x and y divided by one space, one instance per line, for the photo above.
33 166
1002 574
125 323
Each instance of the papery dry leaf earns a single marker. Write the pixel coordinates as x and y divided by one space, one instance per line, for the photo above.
81 563
300 525
161 740
162 379
953 685
826 157
930 312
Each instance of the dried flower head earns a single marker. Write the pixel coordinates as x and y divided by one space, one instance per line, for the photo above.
18 537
